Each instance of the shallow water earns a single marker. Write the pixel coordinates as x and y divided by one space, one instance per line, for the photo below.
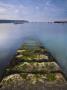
53 36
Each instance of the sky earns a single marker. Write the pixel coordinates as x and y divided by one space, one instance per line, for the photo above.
34 10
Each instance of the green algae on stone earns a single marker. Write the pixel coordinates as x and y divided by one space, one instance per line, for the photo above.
34 64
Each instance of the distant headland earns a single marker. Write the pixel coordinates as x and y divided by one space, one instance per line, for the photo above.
60 21
14 21
57 21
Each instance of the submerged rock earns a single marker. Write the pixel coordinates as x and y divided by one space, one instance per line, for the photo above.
32 64
11 80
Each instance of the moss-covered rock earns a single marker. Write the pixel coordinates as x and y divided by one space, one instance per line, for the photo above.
36 67
33 64
10 80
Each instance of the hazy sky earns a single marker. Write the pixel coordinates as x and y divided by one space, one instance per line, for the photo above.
33 10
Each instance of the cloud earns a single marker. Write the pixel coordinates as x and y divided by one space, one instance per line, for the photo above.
2 10
38 12
7 11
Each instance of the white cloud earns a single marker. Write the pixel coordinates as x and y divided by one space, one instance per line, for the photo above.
37 13
37 7
2 10
8 11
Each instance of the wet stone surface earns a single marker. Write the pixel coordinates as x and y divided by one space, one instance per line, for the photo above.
33 68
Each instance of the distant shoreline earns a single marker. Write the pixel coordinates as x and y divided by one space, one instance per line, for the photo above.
60 21
57 22
14 21
26 21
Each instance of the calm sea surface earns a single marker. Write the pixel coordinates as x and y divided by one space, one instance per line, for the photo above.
53 37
